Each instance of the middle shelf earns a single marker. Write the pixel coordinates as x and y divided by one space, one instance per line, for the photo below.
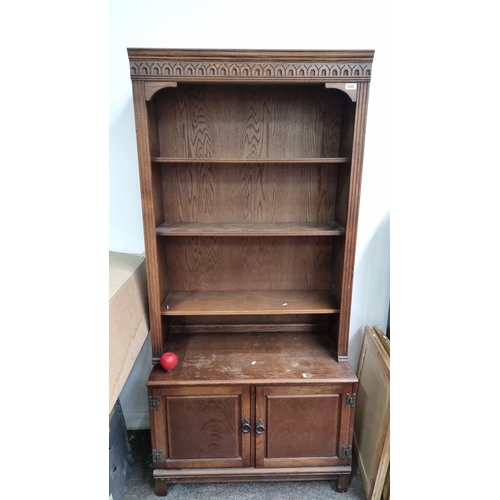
240 302
256 161
328 228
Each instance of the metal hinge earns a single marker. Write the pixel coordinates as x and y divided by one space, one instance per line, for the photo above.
157 455
350 400
154 403
346 451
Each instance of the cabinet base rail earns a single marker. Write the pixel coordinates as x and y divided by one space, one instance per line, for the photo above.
164 476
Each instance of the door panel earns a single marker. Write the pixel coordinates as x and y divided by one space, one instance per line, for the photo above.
201 426
304 426
215 435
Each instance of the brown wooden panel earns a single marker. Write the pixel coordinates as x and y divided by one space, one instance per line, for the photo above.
342 195
203 426
252 358
338 247
154 144
257 263
253 474
352 219
237 327
207 192
244 323
249 122
151 199
304 425
238 302
215 161
231 323
246 229
158 418
250 66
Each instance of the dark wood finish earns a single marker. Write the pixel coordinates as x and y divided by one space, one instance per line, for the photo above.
253 474
250 166
263 263
254 323
305 425
342 483
201 427
264 161
250 229
252 358
161 487
250 66
249 192
248 328
269 121
236 302
152 87
352 219
151 216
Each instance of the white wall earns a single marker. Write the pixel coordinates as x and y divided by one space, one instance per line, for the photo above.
261 24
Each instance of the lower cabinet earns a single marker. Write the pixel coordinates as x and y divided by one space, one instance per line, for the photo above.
251 432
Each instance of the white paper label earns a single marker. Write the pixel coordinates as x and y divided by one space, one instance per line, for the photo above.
351 86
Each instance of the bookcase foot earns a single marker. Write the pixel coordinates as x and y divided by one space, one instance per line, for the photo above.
342 483
161 487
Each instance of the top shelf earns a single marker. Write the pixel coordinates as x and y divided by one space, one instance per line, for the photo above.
164 159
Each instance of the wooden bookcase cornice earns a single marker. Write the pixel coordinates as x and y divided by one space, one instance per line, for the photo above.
239 66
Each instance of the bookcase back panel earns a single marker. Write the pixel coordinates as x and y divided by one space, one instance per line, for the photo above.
252 263
234 324
254 121
249 192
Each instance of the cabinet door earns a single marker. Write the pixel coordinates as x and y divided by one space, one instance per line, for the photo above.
198 427
302 426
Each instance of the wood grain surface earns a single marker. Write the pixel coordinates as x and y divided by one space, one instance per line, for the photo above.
249 122
278 358
254 264
250 192
329 228
237 302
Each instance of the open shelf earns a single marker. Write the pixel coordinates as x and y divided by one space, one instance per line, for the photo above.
163 159
329 228
287 357
210 303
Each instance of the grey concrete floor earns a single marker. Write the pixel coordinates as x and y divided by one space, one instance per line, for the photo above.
140 484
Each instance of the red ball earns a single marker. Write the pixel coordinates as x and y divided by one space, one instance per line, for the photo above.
168 361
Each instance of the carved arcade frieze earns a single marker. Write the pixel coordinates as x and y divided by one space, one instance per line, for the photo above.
249 70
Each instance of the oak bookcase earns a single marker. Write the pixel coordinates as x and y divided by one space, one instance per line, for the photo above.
250 170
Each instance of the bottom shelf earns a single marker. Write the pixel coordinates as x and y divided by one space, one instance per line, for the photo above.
252 358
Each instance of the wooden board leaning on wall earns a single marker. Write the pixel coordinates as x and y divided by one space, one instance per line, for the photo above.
372 420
